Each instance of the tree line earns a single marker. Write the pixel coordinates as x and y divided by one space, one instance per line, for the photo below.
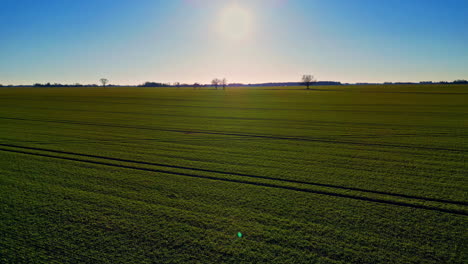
307 80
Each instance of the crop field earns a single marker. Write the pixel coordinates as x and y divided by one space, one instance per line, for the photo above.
337 174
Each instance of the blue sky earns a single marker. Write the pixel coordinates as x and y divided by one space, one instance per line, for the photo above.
130 42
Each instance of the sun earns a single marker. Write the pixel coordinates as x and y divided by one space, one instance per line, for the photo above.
235 22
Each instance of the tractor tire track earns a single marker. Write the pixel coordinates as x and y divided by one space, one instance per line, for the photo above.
241 174
269 185
207 132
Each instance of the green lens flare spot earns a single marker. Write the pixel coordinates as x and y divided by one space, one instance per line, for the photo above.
239 234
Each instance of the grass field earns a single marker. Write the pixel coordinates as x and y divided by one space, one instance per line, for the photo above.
346 174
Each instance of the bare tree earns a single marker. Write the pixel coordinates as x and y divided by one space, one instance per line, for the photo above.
224 83
196 85
104 81
177 84
307 80
215 82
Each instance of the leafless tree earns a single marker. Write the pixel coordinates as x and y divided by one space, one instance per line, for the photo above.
177 84
307 80
215 82
224 83
196 85
104 81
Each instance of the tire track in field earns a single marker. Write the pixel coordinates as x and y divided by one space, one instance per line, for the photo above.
323 123
262 184
239 174
315 123
211 132
289 160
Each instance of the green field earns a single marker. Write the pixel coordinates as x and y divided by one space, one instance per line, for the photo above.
345 174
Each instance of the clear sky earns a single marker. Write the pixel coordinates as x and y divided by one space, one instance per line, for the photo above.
133 41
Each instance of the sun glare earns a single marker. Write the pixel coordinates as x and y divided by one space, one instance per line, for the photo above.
235 22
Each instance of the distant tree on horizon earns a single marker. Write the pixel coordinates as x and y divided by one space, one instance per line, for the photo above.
307 80
196 85
224 83
215 82
104 81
